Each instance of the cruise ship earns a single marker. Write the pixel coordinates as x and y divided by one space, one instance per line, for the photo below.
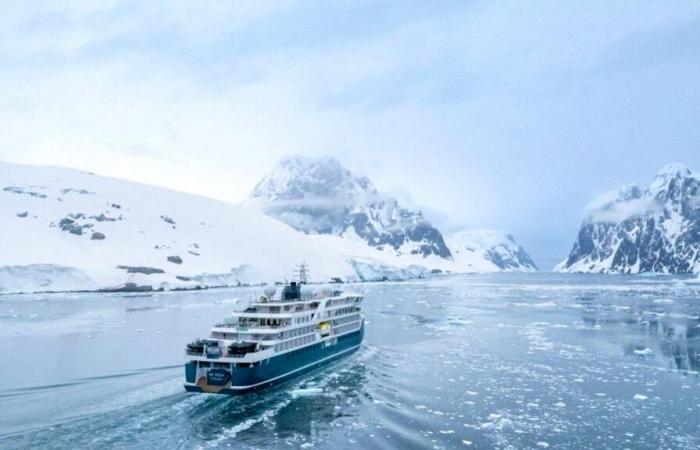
289 330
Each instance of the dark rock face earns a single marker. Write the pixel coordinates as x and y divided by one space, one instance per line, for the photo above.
103 218
141 269
77 191
167 219
70 225
129 287
175 259
21 190
511 261
97 236
321 196
22 214
652 230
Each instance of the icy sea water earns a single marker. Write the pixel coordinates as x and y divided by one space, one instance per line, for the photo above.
498 361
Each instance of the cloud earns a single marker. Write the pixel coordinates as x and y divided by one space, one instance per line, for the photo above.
618 206
493 114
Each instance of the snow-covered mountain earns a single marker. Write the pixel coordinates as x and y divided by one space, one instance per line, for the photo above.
66 230
320 196
637 230
489 251
69 230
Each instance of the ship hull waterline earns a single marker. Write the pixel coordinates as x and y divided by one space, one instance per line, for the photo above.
281 368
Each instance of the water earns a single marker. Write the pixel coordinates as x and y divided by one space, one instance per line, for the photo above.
498 361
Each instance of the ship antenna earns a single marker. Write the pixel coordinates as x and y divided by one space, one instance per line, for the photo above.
303 271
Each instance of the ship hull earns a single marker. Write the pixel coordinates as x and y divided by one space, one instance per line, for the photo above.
236 380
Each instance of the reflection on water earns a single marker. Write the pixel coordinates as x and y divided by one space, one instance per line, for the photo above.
651 329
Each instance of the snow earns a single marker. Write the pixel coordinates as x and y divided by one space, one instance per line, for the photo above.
472 251
668 173
156 238
642 230
219 243
320 196
45 277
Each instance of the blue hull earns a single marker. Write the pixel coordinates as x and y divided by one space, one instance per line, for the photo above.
284 367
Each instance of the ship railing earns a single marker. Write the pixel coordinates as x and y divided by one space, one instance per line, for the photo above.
263 327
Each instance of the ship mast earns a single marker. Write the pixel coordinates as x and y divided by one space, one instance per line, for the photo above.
303 272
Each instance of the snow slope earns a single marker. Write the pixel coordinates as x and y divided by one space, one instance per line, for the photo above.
66 230
488 251
70 230
637 230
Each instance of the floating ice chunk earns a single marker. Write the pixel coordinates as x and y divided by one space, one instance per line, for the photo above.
560 405
447 431
640 397
497 422
472 393
466 442
644 351
305 392
663 301
542 444
544 305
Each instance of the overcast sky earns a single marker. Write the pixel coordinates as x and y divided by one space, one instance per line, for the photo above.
506 115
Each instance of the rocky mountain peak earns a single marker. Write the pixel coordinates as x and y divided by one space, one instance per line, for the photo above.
675 182
674 170
656 229
321 196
